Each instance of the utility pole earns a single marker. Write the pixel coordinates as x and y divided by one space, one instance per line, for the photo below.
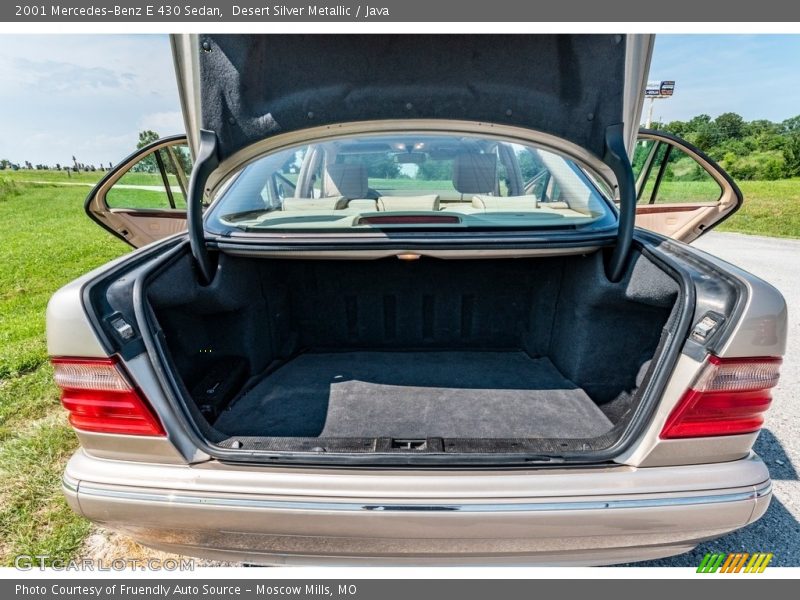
649 121
657 90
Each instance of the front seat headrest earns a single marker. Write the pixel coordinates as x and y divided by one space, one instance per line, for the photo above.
475 173
346 179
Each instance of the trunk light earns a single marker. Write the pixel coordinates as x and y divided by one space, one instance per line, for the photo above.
100 399
729 397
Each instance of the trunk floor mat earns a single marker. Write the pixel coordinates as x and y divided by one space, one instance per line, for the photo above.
449 394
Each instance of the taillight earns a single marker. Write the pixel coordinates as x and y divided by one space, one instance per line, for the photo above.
99 398
729 397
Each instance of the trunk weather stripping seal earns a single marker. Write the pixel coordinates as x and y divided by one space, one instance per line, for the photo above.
719 339
168 244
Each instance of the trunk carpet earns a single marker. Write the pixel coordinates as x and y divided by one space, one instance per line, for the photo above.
450 394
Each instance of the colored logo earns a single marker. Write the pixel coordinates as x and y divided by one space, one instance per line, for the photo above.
735 562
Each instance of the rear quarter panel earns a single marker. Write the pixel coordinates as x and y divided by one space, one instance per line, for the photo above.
758 330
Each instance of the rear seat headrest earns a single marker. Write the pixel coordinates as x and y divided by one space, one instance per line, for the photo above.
346 179
475 173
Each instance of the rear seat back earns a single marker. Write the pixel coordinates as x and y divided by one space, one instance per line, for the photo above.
318 204
362 205
400 203
505 203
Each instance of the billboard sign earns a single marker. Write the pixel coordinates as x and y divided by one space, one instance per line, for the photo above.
667 87
659 89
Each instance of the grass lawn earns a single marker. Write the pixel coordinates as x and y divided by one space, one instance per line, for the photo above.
52 176
45 241
770 208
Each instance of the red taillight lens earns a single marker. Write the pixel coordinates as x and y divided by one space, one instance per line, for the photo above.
99 398
729 397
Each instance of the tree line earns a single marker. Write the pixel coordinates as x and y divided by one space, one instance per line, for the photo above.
759 149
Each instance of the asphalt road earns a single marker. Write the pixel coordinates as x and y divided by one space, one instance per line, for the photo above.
778 531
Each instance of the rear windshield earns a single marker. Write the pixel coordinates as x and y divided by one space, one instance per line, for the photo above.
410 181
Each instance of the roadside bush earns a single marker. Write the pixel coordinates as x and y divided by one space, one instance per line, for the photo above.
685 169
769 165
754 150
8 188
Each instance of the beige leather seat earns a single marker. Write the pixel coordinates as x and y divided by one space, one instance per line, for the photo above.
346 179
505 203
475 173
401 203
360 205
343 182
317 204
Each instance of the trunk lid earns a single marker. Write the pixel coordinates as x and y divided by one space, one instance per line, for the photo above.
246 88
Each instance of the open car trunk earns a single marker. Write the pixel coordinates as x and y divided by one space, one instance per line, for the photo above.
426 355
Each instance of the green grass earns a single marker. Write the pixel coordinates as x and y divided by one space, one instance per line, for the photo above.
144 178
411 184
770 208
684 191
35 518
46 240
52 176
132 198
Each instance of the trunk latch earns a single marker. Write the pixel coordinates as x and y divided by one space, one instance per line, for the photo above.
706 327
404 444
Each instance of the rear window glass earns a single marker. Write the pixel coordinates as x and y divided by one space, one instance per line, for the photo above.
410 180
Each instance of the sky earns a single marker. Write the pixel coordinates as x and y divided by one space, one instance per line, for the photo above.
88 96
757 76
83 95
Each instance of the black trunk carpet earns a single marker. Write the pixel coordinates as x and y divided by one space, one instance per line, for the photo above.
452 394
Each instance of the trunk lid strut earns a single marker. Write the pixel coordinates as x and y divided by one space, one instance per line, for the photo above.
207 161
616 157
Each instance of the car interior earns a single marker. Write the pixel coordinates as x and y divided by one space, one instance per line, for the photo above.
424 174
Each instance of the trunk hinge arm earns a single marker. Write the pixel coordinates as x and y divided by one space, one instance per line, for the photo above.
207 161
616 157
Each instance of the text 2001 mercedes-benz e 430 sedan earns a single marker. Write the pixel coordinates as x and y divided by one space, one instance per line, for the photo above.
416 299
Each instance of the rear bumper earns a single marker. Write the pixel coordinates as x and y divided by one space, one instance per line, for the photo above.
600 516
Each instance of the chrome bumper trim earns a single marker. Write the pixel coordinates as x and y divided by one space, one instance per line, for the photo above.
68 484
85 490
